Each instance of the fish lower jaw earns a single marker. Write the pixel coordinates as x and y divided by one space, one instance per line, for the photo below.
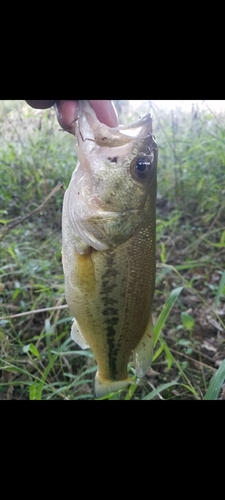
104 386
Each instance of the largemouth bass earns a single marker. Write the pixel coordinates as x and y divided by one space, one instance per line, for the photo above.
108 231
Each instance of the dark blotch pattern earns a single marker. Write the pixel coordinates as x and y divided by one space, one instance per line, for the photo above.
110 313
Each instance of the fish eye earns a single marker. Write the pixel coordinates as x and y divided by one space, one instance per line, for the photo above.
141 167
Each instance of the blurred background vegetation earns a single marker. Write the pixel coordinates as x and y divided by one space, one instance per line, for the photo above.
38 360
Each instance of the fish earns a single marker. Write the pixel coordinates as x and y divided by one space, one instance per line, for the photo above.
108 246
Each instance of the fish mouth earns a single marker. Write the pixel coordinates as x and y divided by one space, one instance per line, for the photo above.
108 229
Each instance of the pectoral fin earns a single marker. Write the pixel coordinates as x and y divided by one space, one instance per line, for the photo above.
143 353
77 336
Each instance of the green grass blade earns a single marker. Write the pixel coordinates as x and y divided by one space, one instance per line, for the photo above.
216 383
165 312
33 391
219 291
44 376
163 387
159 389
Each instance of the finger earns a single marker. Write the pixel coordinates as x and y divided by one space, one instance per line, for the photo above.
66 112
105 112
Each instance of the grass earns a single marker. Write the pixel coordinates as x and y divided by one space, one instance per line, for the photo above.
38 360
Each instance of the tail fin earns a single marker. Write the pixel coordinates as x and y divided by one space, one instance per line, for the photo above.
103 387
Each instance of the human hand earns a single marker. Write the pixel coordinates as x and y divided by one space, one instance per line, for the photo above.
66 111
